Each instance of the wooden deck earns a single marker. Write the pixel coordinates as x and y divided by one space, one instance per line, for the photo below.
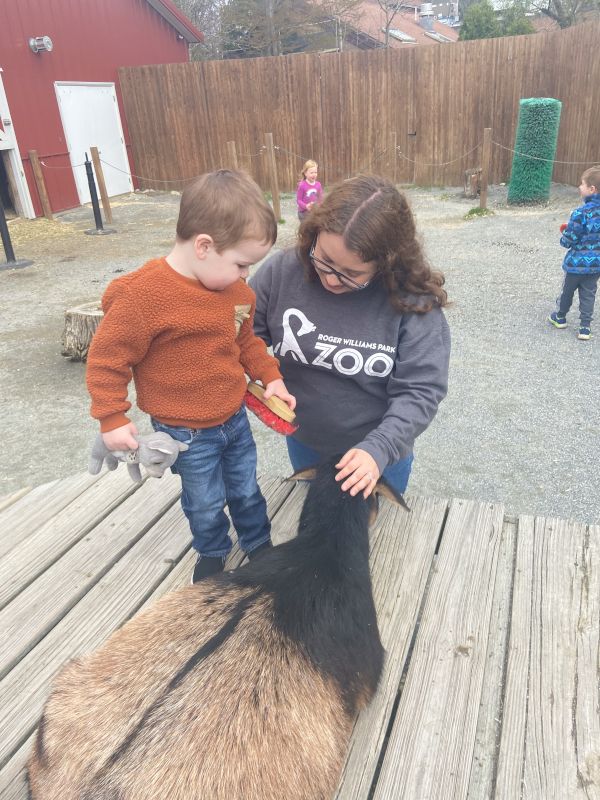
491 626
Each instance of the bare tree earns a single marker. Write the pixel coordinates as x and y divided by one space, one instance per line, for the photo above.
339 15
250 28
567 12
206 16
390 8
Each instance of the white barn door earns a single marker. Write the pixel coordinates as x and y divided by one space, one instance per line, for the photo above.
90 117
8 142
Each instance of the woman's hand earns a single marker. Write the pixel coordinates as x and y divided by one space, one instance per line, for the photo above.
277 389
360 470
121 438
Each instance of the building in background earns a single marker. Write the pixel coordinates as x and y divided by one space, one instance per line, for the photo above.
59 90
410 26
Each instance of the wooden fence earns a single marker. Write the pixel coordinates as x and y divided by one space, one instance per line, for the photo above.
415 115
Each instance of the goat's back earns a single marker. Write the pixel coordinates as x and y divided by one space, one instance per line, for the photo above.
199 697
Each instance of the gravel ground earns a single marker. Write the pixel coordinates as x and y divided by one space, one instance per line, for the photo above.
521 422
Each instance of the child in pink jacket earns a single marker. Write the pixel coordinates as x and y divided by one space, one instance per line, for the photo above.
310 191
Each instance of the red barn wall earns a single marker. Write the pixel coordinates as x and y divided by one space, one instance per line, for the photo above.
91 39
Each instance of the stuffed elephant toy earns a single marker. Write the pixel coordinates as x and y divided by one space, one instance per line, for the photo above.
157 452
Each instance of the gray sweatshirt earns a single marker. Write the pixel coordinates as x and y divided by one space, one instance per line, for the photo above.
363 374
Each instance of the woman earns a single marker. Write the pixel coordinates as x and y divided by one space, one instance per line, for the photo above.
354 315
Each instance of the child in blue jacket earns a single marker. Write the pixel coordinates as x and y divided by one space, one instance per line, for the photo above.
582 262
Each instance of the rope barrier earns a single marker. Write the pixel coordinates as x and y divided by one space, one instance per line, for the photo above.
539 158
371 162
150 180
291 153
61 166
253 155
280 149
433 164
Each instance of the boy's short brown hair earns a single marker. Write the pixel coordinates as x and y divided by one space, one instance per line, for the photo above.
228 206
592 177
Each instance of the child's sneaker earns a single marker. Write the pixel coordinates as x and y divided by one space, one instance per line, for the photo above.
584 334
206 566
557 320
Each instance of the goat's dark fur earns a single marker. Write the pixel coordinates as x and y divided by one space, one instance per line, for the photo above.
242 687
321 585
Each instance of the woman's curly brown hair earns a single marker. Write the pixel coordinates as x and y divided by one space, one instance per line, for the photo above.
376 222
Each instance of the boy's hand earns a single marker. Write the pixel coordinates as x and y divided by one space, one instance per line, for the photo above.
121 438
360 469
277 389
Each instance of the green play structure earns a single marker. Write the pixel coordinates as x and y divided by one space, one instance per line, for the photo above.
535 146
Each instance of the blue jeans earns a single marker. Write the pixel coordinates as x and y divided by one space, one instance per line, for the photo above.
586 285
396 475
220 468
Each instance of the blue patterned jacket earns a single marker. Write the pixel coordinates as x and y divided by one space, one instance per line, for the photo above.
582 237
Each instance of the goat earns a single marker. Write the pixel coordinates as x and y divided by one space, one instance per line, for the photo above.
244 686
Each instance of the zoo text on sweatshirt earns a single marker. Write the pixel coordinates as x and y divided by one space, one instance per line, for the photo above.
363 374
187 348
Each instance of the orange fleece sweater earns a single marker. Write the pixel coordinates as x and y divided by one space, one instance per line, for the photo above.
187 348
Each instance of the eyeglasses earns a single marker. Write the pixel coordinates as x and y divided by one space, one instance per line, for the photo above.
326 269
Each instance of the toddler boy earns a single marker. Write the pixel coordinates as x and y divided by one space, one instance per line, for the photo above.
182 326
582 261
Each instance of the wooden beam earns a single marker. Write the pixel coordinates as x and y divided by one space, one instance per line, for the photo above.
273 175
40 183
101 184
485 166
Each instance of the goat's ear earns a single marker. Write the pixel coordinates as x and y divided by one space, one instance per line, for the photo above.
385 490
308 474
373 506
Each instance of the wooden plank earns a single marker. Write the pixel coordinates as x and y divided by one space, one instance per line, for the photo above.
430 750
550 745
13 783
129 585
33 612
40 183
39 551
273 180
30 512
101 184
486 154
401 560
8 499
107 606
487 738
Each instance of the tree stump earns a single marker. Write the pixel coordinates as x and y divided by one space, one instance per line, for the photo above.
80 326
472 182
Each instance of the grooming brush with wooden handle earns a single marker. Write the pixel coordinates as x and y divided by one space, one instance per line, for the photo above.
276 414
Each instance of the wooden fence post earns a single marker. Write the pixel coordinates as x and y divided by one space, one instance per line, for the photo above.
395 157
485 166
40 183
273 171
101 184
232 153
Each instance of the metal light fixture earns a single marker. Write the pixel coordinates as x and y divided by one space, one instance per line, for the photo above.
37 43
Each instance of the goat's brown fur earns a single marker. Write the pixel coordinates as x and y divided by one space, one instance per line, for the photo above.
198 750
242 687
